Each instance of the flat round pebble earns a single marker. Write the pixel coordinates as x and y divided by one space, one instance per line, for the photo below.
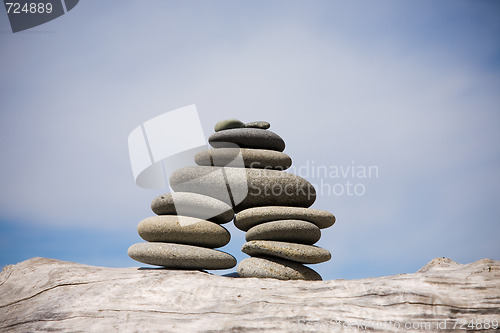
244 158
275 268
183 230
194 205
258 124
305 254
248 187
293 231
228 124
247 138
180 256
248 218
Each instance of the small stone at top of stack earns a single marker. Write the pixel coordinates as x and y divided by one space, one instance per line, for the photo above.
257 148
245 170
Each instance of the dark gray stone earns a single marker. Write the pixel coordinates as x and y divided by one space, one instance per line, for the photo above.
247 138
183 230
248 218
293 231
275 268
180 256
194 205
305 254
248 187
244 158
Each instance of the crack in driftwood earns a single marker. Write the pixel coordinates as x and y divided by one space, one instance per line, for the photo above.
47 320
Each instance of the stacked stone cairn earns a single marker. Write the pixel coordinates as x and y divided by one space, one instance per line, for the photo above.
242 174
184 233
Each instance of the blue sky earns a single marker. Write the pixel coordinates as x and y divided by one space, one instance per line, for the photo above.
409 87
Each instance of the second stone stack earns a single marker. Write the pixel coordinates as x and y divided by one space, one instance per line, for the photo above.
280 241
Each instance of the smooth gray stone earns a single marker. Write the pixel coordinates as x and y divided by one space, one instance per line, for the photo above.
248 187
180 256
183 230
306 254
275 268
258 124
248 218
228 124
293 231
194 205
247 138
252 158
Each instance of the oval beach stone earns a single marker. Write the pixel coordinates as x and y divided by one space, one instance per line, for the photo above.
244 158
275 268
248 218
247 138
180 256
306 254
293 231
194 205
245 187
183 230
228 124
258 124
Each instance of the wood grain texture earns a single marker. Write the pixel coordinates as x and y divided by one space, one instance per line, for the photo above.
42 295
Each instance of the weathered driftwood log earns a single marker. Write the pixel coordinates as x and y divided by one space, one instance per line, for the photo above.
41 295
